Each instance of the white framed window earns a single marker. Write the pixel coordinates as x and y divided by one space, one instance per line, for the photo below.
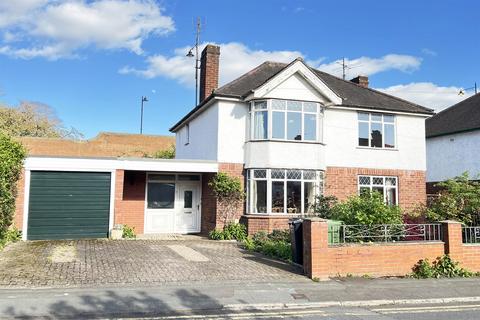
385 185
289 120
376 130
283 191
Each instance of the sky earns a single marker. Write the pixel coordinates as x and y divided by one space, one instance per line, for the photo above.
93 60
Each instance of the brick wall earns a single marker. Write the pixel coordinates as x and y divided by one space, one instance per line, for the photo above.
268 223
130 199
343 182
103 145
209 65
18 218
322 260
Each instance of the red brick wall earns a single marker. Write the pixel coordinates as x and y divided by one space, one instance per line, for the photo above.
256 223
18 218
209 71
343 182
130 199
380 259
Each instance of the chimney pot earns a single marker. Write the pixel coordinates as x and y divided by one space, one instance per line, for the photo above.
361 80
209 63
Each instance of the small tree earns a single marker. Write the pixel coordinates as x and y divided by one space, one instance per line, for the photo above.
323 206
229 194
166 153
459 199
12 154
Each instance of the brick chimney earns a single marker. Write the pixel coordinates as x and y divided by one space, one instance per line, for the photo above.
209 71
361 80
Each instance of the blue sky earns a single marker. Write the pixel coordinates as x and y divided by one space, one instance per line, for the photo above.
91 61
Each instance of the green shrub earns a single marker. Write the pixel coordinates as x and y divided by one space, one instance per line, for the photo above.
128 232
11 235
12 154
232 231
164 154
276 244
229 193
324 205
368 208
459 199
442 267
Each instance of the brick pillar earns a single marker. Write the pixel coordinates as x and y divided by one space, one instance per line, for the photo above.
209 64
315 246
118 214
452 235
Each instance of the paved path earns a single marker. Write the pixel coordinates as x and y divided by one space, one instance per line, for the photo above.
136 262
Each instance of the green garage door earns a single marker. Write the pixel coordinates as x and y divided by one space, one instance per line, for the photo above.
68 205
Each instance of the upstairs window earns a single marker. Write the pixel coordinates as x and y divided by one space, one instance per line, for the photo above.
289 120
376 130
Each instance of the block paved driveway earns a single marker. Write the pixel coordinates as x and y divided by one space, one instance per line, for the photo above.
134 262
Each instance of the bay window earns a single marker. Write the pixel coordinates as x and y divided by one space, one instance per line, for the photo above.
281 191
286 120
376 130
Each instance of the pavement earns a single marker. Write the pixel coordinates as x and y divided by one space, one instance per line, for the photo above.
89 263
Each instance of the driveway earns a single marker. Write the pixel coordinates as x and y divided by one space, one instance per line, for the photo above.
142 262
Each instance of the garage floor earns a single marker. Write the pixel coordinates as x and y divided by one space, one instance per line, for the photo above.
142 262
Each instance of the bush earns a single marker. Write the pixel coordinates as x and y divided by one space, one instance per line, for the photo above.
276 244
459 200
229 193
442 267
164 154
12 235
368 208
12 154
128 232
324 205
233 231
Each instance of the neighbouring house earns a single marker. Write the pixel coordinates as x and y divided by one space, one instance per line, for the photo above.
453 140
291 132
288 131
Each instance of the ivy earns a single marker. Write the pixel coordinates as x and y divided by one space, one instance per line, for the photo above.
12 155
229 193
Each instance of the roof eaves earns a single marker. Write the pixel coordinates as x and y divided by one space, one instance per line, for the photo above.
451 132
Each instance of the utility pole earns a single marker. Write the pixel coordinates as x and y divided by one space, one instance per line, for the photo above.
144 99
197 57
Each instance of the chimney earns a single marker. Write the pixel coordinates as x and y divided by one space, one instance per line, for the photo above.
209 71
361 80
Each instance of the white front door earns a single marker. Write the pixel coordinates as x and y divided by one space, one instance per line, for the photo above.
172 204
187 214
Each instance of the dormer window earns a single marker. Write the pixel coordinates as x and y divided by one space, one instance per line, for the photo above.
289 120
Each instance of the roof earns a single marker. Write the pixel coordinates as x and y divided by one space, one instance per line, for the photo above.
352 94
105 144
461 117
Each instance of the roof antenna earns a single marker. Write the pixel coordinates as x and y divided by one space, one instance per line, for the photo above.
196 55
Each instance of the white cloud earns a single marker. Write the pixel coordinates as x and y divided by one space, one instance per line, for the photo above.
370 66
236 59
427 94
59 28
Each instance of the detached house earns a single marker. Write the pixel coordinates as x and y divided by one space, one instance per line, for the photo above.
292 132
288 131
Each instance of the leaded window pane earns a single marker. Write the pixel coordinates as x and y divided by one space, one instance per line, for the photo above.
294 105
260 105
363 180
278 104
294 174
309 107
377 181
309 175
278 174
260 174
390 181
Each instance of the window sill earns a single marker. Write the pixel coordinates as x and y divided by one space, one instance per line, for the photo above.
379 149
287 141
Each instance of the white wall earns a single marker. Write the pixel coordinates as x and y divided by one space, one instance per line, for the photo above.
295 88
450 156
341 138
285 154
203 143
232 131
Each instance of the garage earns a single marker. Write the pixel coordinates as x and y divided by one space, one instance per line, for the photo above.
68 205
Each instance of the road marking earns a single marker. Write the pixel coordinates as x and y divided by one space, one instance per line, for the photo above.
188 253
427 309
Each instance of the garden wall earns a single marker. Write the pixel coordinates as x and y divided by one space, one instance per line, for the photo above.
322 260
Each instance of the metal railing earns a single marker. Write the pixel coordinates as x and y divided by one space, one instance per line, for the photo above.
339 234
470 235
